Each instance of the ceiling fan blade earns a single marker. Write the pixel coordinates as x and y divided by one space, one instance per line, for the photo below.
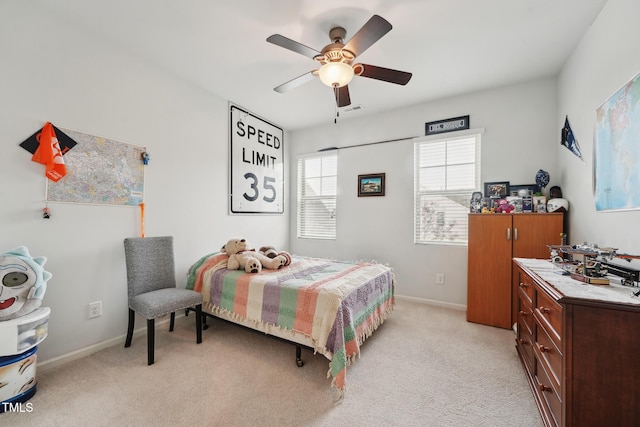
293 45
294 83
371 32
342 96
384 74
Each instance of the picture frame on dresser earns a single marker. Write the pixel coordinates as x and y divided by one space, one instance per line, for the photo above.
497 189
531 189
539 204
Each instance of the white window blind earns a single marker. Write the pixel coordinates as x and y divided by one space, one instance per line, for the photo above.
447 171
317 190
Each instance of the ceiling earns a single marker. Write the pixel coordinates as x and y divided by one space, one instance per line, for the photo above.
450 46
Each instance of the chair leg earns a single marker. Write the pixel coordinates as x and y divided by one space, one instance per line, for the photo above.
132 319
199 323
172 321
150 340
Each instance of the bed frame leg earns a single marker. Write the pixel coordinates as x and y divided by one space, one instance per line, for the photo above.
299 360
205 326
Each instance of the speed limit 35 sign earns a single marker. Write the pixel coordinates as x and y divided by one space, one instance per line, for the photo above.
257 164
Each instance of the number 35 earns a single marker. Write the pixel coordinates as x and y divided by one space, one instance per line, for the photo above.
266 185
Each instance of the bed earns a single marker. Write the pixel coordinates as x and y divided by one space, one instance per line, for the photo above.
329 306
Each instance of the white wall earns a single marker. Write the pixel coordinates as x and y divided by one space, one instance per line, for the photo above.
606 59
52 71
520 137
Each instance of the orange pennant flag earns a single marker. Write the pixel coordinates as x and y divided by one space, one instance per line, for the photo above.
48 153
141 219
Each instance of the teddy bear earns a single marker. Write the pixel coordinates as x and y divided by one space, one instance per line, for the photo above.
241 256
271 252
504 206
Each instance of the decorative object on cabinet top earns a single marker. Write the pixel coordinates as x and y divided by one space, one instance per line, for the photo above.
542 179
523 190
497 190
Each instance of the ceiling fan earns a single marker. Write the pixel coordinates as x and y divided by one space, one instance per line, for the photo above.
336 59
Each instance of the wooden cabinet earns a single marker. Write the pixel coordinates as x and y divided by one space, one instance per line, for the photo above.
580 353
494 239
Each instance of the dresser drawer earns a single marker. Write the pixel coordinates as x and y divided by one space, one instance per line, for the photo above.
525 284
549 314
525 344
549 397
550 356
525 313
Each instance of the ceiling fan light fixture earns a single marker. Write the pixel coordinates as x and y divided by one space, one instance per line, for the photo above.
335 74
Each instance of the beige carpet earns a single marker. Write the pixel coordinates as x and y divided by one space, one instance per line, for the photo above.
425 366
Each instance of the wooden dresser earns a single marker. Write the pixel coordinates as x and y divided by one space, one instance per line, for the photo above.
580 347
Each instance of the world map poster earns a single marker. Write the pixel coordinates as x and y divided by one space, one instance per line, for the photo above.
617 150
100 171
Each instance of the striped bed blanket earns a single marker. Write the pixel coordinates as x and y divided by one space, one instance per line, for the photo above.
335 304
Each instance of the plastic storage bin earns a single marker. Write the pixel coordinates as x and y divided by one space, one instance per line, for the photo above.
25 332
18 378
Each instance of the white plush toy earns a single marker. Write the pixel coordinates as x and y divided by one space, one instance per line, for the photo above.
241 256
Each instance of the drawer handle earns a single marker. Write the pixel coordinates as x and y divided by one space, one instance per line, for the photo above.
544 349
524 285
523 342
544 310
543 387
523 313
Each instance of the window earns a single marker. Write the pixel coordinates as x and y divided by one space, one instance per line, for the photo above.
447 171
317 189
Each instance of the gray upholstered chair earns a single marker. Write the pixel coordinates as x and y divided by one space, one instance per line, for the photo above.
151 284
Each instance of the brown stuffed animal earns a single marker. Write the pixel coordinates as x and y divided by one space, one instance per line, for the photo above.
271 252
242 257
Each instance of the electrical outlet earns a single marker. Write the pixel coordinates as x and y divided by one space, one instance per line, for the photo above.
440 279
95 309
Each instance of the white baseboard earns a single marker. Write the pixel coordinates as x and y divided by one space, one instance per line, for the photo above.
459 307
94 348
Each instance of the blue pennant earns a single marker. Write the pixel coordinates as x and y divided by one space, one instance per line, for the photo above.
568 140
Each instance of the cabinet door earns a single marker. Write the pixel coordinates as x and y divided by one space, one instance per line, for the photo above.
489 270
533 232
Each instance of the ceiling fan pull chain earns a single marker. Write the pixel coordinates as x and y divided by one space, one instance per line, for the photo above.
336 92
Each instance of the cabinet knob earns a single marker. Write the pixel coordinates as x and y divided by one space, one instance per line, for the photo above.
543 387
524 285
523 313
544 310
544 349
523 342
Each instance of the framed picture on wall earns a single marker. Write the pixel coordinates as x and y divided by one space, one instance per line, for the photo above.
371 185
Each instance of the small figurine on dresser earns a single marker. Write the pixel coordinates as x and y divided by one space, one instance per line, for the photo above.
476 202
